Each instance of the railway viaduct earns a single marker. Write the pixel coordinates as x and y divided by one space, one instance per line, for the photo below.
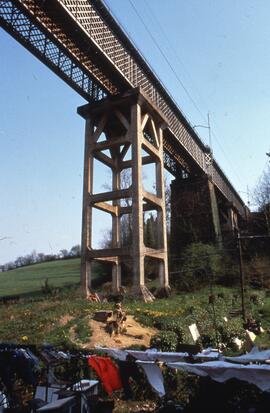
130 121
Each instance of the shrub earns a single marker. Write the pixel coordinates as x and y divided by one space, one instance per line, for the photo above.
137 347
82 330
199 263
224 334
47 288
164 341
145 319
169 323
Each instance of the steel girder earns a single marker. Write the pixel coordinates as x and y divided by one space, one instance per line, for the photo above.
82 43
31 27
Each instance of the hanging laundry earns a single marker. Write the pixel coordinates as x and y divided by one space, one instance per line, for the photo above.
16 363
154 376
154 355
254 356
221 371
107 371
129 370
115 353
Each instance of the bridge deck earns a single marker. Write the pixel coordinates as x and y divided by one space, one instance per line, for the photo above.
82 43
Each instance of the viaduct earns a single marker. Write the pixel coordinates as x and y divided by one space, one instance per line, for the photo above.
130 121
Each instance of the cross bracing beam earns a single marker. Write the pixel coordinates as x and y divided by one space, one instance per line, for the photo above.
83 44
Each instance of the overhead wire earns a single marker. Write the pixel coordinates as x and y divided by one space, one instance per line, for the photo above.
175 53
178 78
165 57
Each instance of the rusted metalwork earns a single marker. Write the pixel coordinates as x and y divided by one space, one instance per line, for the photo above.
83 44
30 26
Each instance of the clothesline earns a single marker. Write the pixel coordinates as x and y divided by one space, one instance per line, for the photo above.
154 355
115 375
221 369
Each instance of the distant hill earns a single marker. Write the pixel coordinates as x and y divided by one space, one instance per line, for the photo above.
29 279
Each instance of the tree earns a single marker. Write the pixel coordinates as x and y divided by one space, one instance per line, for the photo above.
41 256
64 253
75 251
199 265
150 233
262 195
19 262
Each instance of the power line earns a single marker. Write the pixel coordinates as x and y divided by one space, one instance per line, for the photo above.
165 57
176 75
227 159
175 53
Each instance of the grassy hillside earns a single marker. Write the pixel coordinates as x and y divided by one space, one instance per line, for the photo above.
64 319
30 279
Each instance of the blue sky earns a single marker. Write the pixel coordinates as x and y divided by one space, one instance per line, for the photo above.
220 52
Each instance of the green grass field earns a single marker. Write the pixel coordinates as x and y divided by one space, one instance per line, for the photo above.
38 314
30 279
62 317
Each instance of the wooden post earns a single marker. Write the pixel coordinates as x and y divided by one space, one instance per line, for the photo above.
242 277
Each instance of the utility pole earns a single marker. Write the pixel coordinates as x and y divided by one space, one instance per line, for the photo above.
242 277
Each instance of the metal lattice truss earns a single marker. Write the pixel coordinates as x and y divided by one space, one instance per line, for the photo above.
54 49
82 43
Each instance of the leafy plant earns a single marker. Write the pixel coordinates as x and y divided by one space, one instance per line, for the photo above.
164 341
82 330
169 323
47 288
200 264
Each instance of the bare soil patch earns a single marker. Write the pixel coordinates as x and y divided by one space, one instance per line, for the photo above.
135 335
65 319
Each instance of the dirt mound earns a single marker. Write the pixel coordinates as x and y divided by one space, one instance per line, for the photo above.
135 335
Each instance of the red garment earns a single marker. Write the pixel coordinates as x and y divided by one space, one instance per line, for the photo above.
107 371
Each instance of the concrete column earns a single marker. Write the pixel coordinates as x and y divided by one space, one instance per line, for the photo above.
116 233
215 213
137 207
123 122
161 215
86 209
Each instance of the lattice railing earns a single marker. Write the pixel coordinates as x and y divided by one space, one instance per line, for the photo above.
97 28
56 50
27 21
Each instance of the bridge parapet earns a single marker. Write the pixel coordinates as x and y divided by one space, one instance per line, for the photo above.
84 45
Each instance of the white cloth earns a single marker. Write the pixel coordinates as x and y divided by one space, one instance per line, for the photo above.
254 356
221 371
207 354
115 353
169 357
154 376
85 386
146 361
154 355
